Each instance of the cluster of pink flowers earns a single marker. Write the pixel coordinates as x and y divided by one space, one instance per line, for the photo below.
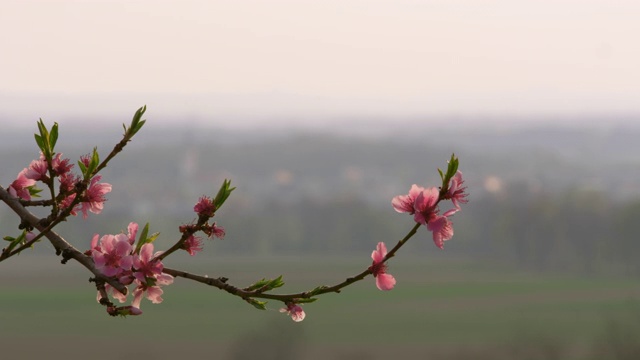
204 208
61 169
423 205
115 256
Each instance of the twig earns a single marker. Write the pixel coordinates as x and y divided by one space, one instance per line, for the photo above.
221 282
62 246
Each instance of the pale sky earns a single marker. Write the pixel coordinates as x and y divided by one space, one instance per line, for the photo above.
303 59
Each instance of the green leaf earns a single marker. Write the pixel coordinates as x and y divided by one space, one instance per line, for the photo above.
223 193
260 305
20 239
275 283
82 167
136 123
93 163
152 238
43 141
143 237
266 284
43 130
34 191
318 290
453 165
40 143
257 285
53 136
452 168
8 238
95 158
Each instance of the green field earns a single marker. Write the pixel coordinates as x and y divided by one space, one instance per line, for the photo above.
442 309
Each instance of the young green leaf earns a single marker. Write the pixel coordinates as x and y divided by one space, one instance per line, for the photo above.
257 285
43 141
20 239
275 283
34 191
260 305
452 168
136 122
223 193
93 164
82 167
318 290
40 142
266 284
53 136
143 238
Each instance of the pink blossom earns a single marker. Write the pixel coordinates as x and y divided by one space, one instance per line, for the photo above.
20 186
85 160
405 203
66 202
456 192
145 266
132 231
37 169
295 311
60 166
205 207
192 245
424 207
95 242
214 230
441 228
29 236
384 281
68 181
94 200
148 276
152 293
115 293
217 231
112 255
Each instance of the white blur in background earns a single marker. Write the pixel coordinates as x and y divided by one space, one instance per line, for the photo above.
306 62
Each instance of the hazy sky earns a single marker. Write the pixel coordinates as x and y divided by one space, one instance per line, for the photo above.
282 59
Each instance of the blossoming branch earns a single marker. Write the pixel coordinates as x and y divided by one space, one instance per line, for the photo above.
128 263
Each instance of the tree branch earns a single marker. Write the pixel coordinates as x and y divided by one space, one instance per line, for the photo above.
221 282
67 250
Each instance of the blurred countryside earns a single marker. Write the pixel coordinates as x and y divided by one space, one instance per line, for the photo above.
543 263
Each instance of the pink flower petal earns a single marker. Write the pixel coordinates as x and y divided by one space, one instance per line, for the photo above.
442 230
379 253
295 311
133 230
385 282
